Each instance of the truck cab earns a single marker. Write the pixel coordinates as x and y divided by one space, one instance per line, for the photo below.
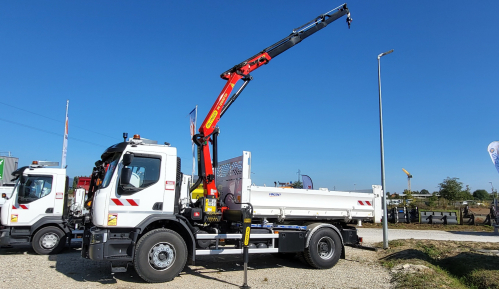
140 186
35 212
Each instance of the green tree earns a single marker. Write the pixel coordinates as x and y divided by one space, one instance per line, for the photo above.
424 191
432 201
297 185
481 195
466 194
73 187
408 196
450 188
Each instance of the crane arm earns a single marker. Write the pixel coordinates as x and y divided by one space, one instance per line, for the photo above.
242 70
408 174
208 130
296 36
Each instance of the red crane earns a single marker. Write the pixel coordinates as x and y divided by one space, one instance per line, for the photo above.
208 131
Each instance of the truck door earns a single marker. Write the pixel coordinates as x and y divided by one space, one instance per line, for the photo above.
34 199
143 196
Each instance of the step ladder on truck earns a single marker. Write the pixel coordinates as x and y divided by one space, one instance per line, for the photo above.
142 213
38 213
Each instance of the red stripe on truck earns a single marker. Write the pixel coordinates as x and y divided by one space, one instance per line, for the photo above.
132 202
117 202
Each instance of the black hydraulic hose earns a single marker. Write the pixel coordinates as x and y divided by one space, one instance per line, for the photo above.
237 203
233 98
215 148
193 230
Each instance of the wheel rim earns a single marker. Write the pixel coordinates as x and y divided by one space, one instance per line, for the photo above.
162 256
49 240
325 248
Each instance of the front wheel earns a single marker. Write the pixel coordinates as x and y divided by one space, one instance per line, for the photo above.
160 256
324 249
48 240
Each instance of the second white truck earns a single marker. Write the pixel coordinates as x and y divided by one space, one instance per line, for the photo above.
38 213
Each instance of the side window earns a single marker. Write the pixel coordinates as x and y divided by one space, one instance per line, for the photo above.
34 188
145 171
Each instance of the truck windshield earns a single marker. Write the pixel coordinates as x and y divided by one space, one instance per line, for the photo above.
112 163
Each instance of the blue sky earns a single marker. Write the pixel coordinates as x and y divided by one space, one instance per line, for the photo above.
141 67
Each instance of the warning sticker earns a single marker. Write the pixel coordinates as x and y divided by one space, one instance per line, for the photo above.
13 218
247 236
112 219
170 185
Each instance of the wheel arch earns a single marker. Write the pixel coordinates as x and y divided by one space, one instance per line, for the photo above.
312 228
174 224
49 222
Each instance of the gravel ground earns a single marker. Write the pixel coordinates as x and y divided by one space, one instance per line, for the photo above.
22 268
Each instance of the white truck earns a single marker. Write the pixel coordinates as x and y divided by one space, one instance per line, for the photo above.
38 213
143 214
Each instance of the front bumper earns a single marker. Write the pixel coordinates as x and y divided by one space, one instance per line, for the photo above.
107 245
5 237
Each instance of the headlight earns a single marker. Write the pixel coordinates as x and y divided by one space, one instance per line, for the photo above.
98 236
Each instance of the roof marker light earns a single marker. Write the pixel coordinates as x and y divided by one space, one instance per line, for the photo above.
34 163
136 136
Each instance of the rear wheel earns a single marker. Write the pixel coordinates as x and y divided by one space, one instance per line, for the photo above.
48 240
160 256
324 249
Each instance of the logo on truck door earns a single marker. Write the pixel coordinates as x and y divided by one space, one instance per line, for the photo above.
13 218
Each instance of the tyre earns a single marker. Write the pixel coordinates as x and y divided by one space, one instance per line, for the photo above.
48 240
160 256
324 249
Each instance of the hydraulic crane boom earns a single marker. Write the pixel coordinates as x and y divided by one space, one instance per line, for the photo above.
208 130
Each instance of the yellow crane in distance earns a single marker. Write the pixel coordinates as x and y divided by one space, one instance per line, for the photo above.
409 177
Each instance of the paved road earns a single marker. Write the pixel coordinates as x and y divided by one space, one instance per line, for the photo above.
372 235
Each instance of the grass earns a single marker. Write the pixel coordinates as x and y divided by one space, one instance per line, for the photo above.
450 264
417 226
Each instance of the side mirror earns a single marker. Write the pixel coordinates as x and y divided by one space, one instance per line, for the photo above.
127 159
23 179
126 174
98 163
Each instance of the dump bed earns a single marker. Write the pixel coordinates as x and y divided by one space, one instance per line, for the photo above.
233 177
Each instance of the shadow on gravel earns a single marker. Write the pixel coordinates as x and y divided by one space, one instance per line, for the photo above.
206 266
486 234
71 264
17 250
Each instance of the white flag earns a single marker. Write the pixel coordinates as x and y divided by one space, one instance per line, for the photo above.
493 147
65 142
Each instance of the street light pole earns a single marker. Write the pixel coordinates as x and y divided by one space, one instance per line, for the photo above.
385 214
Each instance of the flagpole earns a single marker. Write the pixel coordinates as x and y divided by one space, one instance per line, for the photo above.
193 145
65 140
